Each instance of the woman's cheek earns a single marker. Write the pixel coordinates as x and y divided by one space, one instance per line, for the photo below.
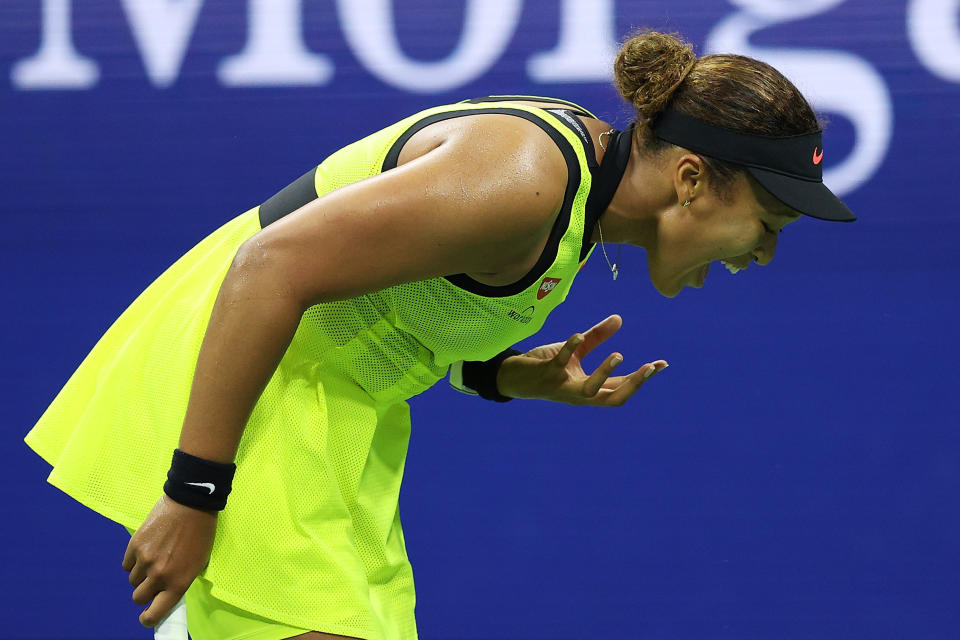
743 244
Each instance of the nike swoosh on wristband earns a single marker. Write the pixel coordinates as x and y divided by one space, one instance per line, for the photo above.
205 485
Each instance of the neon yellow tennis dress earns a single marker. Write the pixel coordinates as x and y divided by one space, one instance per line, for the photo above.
311 536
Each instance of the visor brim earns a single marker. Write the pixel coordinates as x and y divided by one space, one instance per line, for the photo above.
808 197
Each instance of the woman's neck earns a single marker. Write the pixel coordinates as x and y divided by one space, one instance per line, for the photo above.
633 215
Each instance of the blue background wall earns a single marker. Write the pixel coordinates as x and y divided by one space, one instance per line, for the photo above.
794 474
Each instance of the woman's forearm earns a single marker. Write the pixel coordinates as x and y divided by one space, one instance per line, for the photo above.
252 323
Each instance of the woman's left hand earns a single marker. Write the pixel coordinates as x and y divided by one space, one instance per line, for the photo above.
554 371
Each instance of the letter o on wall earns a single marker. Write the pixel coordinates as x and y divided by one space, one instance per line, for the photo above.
369 29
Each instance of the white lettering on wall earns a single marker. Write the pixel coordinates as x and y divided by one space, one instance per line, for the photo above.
586 48
56 65
833 81
162 30
369 28
275 53
934 30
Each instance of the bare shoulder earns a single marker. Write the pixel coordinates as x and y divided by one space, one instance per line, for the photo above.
503 164
493 145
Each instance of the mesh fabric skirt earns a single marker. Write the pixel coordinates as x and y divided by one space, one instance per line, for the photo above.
311 536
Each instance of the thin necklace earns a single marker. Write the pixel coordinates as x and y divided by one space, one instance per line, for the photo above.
613 267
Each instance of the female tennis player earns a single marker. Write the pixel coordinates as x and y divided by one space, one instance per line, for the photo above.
276 357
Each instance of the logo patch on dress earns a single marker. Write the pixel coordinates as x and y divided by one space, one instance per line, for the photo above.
548 285
524 317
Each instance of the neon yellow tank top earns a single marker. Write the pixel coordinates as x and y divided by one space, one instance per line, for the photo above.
399 341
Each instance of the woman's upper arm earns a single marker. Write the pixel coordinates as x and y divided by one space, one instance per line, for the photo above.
478 200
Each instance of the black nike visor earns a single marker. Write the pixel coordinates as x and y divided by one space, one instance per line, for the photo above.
789 167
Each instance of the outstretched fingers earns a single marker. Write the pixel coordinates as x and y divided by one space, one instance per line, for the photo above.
599 333
598 379
559 361
616 391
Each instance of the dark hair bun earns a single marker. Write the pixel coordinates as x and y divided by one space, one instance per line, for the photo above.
649 68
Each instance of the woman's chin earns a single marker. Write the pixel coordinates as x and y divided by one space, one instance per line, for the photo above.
668 290
671 288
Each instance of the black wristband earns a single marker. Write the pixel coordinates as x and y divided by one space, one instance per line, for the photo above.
198 483
482 376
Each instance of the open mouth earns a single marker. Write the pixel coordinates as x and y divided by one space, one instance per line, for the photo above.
732 268
731 265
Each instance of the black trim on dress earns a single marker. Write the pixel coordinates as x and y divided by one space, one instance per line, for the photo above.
561 223
289 199
569 118
606 179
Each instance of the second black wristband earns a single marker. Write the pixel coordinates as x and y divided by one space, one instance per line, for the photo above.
482 376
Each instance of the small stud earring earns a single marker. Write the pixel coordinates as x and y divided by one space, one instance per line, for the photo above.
686 203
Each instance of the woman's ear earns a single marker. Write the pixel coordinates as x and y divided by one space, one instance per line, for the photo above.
690 178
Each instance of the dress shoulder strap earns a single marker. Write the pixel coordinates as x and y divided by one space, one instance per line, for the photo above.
574 107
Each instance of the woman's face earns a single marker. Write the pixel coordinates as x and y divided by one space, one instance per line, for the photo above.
739 227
